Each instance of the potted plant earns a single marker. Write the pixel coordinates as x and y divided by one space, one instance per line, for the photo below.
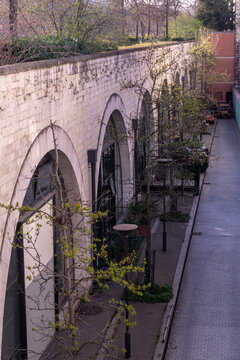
137 214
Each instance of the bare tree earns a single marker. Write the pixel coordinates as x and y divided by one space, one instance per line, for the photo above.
13 14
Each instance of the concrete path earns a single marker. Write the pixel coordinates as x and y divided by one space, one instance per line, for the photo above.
207 319
149 316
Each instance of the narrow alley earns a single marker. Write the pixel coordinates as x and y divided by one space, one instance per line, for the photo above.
206 325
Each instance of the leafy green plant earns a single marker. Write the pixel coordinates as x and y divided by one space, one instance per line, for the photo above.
116 244
184 28
137 212
153 295
40 48
175 216
101 45
128 41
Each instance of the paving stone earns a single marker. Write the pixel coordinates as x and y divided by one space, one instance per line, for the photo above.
207 319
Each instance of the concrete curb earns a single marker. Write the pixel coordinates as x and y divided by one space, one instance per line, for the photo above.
168 315
161 346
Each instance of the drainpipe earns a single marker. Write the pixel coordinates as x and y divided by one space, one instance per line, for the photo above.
135 126
92 159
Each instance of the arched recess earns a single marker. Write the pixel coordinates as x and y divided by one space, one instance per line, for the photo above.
41 148
165 111
177 79
186 85
185 80
192 79
146 129
115 130
176 91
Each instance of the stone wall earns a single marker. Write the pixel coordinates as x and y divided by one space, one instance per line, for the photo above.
79 95
74 93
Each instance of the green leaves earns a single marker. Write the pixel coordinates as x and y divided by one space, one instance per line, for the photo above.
153 295
41 48
184 27
216 15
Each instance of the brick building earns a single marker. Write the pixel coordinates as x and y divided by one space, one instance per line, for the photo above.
224 43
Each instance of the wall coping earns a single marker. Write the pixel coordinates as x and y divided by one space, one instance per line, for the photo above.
223 32
48 63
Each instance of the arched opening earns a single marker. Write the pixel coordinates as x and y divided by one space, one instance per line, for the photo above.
145 141
186 85
185 80
114 179
32 297
165 116
192 80
110 186
176 98
17 316
177 79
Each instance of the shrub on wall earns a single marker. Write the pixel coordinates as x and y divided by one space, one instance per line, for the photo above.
184 27
101 45
40 48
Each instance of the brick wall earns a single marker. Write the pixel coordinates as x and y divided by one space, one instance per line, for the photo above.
224 43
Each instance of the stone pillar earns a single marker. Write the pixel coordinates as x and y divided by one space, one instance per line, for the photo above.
237 44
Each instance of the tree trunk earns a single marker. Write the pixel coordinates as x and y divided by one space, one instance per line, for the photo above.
142 30
148 237
149 27
13 10
137 30
167 15
68 242
148 198
172 194
123 19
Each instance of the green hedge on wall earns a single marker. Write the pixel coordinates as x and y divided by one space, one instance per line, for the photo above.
40 48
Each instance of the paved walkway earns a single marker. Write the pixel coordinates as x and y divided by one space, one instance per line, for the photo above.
207 319
93 325
149 316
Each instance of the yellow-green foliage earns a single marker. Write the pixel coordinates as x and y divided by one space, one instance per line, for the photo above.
203 63
79 249
184 27
146 44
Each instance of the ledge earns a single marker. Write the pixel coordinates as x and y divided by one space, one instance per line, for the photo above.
48 63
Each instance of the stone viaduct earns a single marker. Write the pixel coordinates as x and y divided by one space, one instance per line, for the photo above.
80 95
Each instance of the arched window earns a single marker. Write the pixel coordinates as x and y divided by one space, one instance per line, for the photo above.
110 179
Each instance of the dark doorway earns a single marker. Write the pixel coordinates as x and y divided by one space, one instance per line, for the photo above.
229 97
